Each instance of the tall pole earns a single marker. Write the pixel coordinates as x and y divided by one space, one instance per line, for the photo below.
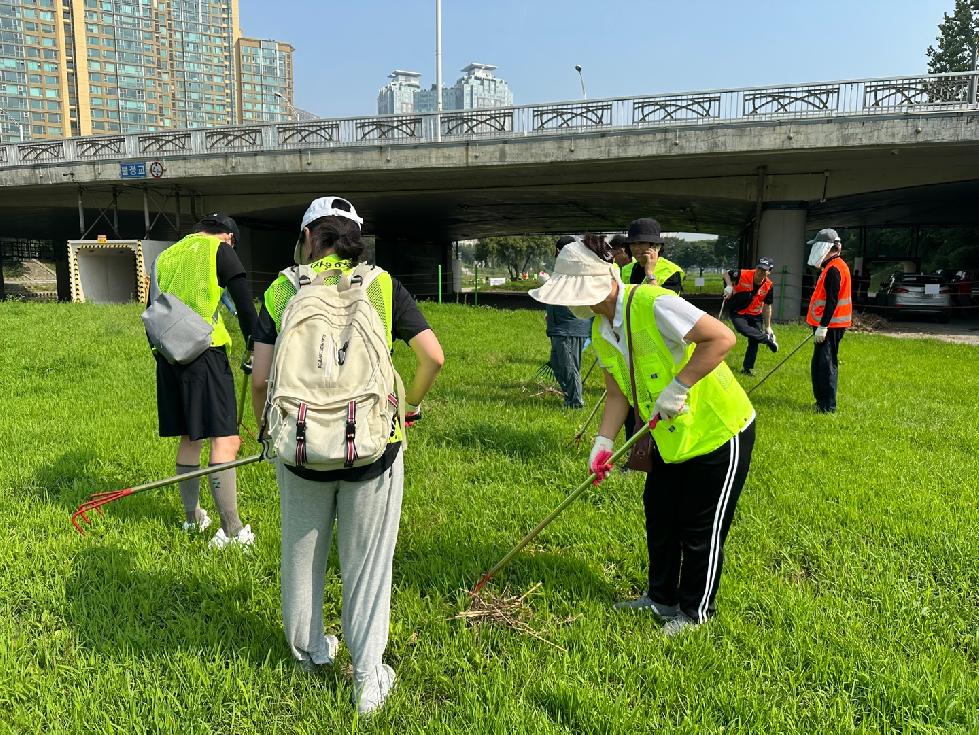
975 70
438 71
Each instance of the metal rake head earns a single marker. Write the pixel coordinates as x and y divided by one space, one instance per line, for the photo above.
95 501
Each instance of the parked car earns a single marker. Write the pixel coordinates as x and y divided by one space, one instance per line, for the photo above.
919 293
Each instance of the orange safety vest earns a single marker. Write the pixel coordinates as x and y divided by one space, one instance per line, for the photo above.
746 284
843 314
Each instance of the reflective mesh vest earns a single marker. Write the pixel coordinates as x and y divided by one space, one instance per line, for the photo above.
663 271
843 314
719 407
746 284
189 270
380 293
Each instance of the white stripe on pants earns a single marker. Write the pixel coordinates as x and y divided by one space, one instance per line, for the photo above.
367 515
716 543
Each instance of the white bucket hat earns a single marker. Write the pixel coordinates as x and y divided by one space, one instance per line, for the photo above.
580 278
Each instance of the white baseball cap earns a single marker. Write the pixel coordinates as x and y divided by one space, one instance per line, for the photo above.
330 207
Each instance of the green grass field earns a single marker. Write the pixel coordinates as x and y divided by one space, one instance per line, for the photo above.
850 598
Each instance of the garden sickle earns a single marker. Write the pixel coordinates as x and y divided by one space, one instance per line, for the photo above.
622 451
95 501
769 373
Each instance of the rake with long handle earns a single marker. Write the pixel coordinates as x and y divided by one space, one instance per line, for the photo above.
721 310
588 374
246 368
95 501
753 388
584 426
622 451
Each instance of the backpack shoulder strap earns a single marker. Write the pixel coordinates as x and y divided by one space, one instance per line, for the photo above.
154 284
299 275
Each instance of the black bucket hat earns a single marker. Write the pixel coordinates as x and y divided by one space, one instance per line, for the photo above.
645 229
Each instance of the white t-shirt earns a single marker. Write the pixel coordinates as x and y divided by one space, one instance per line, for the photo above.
674 316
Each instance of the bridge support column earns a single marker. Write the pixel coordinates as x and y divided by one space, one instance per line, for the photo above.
782 236
416 265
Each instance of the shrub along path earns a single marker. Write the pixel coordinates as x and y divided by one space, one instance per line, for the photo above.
849 600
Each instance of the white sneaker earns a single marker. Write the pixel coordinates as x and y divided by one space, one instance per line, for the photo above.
678 624
244 538
371 691
197 527
311 666
665 612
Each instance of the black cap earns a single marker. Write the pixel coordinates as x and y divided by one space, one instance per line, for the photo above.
564 240
619 241
766 263
223 221
645 229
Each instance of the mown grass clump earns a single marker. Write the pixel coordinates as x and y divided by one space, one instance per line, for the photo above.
849 600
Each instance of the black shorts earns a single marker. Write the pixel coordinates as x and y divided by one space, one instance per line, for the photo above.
198 399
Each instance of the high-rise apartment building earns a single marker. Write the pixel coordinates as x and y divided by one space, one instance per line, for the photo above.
265 81
84 67
398 95
479 88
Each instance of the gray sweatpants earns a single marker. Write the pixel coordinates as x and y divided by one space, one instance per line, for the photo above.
367 515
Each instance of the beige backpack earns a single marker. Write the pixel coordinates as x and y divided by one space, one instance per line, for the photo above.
334 396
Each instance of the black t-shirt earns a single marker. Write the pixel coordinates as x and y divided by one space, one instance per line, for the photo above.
407 323
740 299
231 275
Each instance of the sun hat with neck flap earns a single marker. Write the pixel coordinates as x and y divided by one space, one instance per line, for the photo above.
580 278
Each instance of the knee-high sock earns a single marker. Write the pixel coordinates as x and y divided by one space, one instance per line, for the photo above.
190 493
224 490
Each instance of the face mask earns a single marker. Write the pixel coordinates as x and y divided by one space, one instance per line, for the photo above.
582 312
818 252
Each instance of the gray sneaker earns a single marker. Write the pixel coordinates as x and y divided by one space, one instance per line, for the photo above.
311 666
666 612
678 624
372 690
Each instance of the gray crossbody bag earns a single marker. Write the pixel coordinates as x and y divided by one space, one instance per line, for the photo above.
174 330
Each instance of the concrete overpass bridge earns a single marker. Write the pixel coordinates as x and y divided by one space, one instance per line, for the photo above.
768 162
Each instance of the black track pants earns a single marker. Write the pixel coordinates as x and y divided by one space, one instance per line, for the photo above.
825 369
750 327
689 508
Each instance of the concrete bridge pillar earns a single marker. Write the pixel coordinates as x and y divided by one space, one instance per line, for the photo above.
416 264
782 236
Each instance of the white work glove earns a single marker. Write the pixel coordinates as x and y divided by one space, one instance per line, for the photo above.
820 334
728 290
601 452
771 333
672 401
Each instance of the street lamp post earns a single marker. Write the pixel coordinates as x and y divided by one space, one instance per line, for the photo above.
438 71
584 94
297 114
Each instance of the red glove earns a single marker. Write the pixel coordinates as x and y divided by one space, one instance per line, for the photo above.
599 462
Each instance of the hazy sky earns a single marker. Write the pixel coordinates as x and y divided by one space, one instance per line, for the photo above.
344 51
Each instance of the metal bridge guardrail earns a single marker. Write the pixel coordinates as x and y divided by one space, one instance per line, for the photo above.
860 97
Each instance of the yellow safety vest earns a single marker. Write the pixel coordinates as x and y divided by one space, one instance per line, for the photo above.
189 270
719 407
662 272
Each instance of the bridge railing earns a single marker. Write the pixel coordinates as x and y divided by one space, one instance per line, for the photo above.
860 97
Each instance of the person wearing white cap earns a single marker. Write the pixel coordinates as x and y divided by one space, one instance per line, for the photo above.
829 314
364 501
665 357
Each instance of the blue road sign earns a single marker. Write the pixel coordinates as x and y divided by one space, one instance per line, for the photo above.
132 170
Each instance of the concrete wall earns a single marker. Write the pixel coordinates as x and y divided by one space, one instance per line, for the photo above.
108 276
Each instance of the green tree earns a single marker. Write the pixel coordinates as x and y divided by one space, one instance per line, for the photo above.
518 253
958 36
